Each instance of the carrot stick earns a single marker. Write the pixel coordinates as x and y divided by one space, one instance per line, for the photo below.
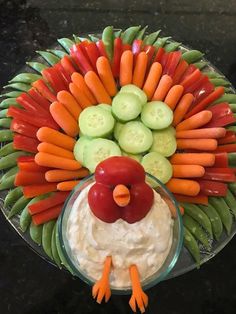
47 215
126 68
44 90
182 107
79 81
202 133
49 160
140 69
106 76
80 96
162 88
201 159
24 178
199 144
121 195
152 79
179 71
30 191
52 136
57 175
55 150
199 199
206 101
192 78
64 119
70 103
67 185
195 121
188 171
184 187
173 96
95 85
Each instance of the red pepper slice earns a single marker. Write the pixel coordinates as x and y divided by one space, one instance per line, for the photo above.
221 115
212 188
150 50
219 174
25 143
159 54
195 86
77 52
126 47
136 48
43 89
191 68
68 66
23 128
116 57
24 178
38 189
51 76
93 54
101 48
172 63
191 79
164 59
30 105
25 159
42 101
221 110
31 166
229 138
199 199
228 148
179 71
47 215
201 93
221 160
64 76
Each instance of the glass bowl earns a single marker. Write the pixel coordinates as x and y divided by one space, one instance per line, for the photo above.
172 256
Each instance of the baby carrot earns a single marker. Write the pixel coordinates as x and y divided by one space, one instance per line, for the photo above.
184 187
106 76
191 79
80 96
52 136
162 88
79 81
188 171
140 69
64 119
182 107
202 133
173 96
126 68
47 215
152 79
179 71
95 85
195 121
199 199
57 175
70 103
67 185
53 161
201 159
199 144
55 150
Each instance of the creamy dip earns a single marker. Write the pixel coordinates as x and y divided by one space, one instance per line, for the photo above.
145 243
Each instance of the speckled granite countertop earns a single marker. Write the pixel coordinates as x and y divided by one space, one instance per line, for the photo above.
28 285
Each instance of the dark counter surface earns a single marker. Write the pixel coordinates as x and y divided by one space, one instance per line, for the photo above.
29 285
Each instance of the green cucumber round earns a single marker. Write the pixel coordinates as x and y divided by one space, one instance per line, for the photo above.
126 106
130 88
163 142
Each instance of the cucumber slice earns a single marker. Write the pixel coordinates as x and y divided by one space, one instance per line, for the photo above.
96 122
157 165
135 138
79 148
135 157
105 106
156 115
98 150
126 106
117 129
130 88
163 142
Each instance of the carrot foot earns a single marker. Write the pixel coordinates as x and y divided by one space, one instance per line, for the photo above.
101 288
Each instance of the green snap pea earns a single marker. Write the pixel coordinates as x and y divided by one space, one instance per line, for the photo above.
231 128
8 183
223 210
36 233
217 226
141 33
6 135
197 214
151 38
161 41
5 123
231 202
76 39
58 53
55 255
228 90
27 78
7 149
219 82
213 75
10 172
233 108
10 160
37 66
83 38
172 46
48 57
19 205
13 94
117 33
200 65
129 34
18 86
192 56
47 237
66 43
232 159
93 38
230 98
3 113
191 244
8 102
196 230
232 187
108 39
13 196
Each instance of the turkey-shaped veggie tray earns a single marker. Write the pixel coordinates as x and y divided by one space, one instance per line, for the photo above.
47 146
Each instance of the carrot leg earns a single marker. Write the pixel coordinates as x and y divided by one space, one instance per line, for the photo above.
138 296
101 288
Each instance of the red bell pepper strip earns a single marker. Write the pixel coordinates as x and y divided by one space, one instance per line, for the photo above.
56 199
179 71
30 105
115 66
220 122
51 76
228 148
221 160
126 47
172 63
191 79
80 58
101 48
65 77
93 54
219 174
199 199
68 66
31 166
26 158
159 54
24 178
229 138
42 101
221 110
43 89
195 86
202 92
23 128
164 59
136 48
190 69
25 143
47 215
211 188
38 189
150 51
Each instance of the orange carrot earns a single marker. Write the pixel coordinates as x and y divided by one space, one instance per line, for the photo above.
192 78
52 136
49 160
80 96
182 107
55 150
47 215
121 195
79 81
173 96
57 175
95 85
199 144
33 190
67 185
201 159
199 199
106 76
196 121
184 187
162 88
188 171
140 69
152 79
70 103
202 133
126 68
179 71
